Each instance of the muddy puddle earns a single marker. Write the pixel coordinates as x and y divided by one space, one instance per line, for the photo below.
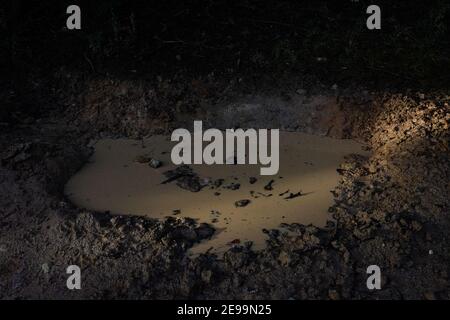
235 199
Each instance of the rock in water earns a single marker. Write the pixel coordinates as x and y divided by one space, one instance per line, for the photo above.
233 186
218 183
242 203
293 195
185 178
190 183
269 185
154 163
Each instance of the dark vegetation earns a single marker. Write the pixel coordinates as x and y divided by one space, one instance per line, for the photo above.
252 42
203 36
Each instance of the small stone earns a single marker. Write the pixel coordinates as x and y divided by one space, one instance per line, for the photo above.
293 195
45 268
190 183
155 163
218 183
252 180
233 186
176 212
242 203
268 186
284 258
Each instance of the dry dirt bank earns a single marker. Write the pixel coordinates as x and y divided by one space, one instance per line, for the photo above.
391 209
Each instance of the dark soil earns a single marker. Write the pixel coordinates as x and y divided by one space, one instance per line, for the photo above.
391 209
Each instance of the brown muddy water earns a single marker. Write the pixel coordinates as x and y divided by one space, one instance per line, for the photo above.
114 181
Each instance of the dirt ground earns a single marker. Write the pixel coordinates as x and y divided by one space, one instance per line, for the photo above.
391 209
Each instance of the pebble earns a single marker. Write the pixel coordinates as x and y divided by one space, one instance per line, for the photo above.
45 268
155 163
242 203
